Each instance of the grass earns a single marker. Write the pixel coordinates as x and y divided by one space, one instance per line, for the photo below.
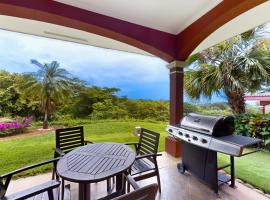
254 168
16 153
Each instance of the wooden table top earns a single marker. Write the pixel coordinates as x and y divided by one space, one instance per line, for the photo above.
95 162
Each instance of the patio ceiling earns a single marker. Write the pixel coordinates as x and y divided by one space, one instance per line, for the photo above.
170 16
170 29
54 31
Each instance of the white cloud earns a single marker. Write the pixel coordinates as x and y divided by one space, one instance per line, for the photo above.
96 65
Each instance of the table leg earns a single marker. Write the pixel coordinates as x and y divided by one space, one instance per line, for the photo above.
84 191
120 186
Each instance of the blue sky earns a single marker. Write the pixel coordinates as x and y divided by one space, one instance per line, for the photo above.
138 76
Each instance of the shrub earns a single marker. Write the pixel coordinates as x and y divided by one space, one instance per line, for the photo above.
16 126
254 125
148 109
107 110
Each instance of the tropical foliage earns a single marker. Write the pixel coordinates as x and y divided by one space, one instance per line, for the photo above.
85 103
11 102
254 125
233 67
81 105
51 85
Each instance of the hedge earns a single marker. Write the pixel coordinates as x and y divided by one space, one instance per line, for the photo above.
254 125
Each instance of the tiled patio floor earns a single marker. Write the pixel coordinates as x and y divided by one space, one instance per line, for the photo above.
174 186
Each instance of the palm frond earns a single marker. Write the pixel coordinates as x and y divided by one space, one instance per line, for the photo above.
50 83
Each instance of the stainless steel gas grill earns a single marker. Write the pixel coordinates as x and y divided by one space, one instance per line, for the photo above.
205 135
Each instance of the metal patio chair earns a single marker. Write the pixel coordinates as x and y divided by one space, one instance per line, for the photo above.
144 193
67 139
48 191
145 165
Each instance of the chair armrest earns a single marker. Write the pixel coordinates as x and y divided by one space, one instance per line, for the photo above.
131 143
59 152
148 155
28 167
88 142
39 189
132 182
135 144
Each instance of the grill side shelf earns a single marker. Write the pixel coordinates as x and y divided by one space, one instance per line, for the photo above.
233 144
239 140
225 147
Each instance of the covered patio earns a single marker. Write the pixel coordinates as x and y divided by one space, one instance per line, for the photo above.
174 185
171 30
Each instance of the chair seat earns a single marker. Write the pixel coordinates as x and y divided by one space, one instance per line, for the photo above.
142 165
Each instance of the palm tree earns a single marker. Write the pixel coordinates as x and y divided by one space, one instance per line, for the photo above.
51 84
233 67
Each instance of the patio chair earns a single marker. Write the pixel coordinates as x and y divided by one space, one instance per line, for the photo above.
144 193
68 139
145 165
49 190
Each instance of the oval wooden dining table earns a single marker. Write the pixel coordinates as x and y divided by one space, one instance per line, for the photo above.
94 163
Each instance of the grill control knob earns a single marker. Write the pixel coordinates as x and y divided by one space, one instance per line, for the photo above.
180 133
195 138
170 130
187 136
204 141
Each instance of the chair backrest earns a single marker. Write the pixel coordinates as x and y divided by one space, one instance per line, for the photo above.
68 139
148 142
145 193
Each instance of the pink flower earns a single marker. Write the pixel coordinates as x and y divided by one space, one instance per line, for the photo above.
20 122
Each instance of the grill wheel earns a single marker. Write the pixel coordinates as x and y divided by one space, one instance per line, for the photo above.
181 168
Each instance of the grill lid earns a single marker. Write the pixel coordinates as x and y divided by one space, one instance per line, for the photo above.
215 125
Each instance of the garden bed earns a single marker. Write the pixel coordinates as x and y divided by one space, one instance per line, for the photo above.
9 127
31 132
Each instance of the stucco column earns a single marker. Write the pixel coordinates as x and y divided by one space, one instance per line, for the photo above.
173 146
176 91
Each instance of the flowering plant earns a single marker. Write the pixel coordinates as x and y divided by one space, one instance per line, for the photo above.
14 126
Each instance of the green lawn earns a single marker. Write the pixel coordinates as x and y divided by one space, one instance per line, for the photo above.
24 151
254 168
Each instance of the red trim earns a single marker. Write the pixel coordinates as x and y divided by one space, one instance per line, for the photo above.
156 42
257 98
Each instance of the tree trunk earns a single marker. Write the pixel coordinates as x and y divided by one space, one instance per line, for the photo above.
45 122
236 101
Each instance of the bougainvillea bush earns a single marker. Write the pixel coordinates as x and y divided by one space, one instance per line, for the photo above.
254 125
15 126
